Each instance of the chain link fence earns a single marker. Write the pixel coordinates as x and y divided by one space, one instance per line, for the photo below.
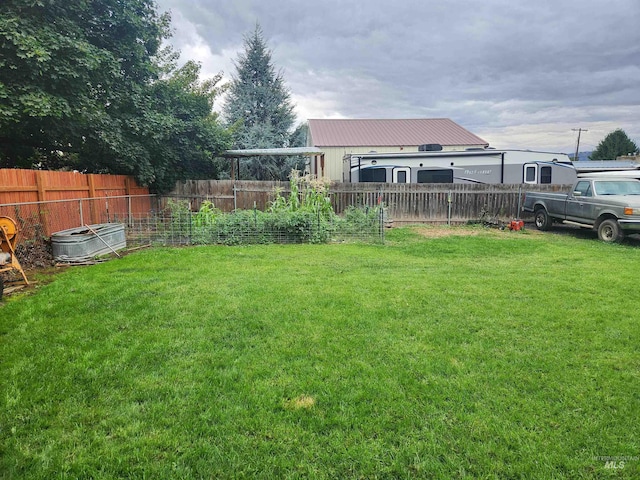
157 220
37 221
184 227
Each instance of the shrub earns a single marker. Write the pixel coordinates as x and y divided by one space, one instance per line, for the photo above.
359 221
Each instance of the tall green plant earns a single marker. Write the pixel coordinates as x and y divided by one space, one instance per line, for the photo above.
206 215
306 193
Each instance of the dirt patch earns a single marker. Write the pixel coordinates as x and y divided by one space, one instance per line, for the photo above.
432 231
302 402
437 232
455 231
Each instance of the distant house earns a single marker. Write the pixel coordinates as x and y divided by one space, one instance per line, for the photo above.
339 137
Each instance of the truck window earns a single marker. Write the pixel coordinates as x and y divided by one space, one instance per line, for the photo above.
378 175
435 176
584 188
617 188
545 174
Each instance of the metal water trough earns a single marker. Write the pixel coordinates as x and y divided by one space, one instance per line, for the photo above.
84 243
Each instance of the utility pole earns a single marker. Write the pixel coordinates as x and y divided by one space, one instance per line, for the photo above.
579 130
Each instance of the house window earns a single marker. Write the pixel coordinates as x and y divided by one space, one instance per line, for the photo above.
545 174
435 176
378 175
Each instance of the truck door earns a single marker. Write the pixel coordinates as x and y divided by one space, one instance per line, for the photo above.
401 175
578 201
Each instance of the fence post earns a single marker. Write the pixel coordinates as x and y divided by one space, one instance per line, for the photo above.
190 225
519 201
81 214
449 208
95 215
129 210
381 220
235 199
42 193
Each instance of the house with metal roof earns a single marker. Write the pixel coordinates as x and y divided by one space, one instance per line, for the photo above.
338 137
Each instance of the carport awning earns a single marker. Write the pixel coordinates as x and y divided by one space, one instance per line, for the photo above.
280 152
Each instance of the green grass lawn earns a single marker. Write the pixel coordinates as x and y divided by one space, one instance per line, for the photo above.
508 355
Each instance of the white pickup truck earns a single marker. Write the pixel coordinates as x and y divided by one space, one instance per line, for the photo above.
609 205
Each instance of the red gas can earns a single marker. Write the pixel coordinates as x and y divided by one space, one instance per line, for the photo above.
516 225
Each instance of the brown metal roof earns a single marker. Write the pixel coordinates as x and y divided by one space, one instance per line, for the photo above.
389 132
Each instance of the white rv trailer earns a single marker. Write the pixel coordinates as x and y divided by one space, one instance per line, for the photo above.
484 166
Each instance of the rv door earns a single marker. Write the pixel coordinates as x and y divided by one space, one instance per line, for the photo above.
531 173
401 175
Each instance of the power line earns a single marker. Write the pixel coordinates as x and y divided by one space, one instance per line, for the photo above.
579 130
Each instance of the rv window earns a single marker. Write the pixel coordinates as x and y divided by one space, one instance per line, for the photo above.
378 175
530 174
435 176
545 174
401 176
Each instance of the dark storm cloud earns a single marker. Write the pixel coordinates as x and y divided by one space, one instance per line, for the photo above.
513 71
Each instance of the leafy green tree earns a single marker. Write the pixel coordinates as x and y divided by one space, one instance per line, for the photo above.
613 145
259 109
66 64
85 85
170 131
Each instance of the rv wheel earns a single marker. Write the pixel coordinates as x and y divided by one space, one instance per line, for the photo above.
542 219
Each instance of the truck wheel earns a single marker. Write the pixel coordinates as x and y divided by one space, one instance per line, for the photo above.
542 219
609 231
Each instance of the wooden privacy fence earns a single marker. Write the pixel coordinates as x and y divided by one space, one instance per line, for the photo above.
229 195
23 186
44 202
405 203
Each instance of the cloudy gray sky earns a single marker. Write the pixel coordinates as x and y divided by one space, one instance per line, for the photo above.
518 73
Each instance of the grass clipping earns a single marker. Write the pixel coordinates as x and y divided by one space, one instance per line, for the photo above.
303 402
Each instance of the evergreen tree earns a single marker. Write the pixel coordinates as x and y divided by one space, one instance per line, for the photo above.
615 144
259 109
